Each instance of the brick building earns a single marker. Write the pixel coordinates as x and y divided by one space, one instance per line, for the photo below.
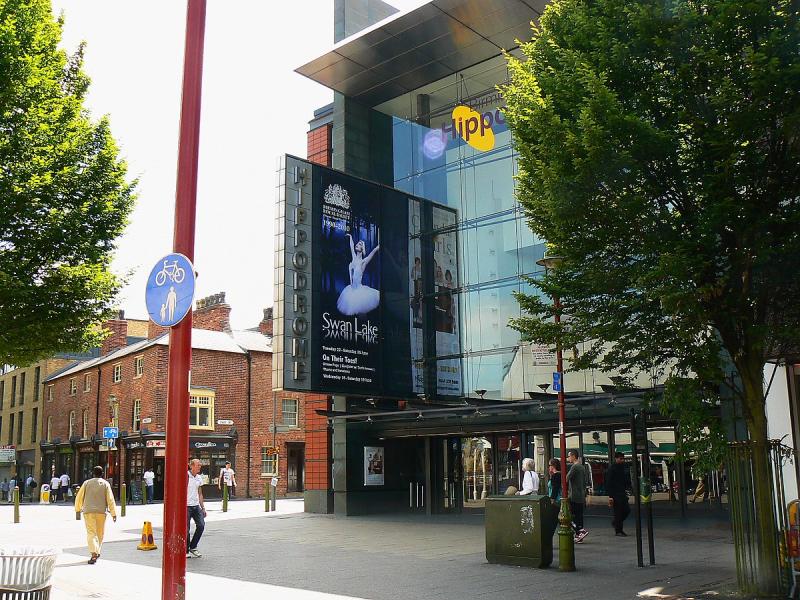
234 414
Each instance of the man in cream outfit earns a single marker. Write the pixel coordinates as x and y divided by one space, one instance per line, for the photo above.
94 499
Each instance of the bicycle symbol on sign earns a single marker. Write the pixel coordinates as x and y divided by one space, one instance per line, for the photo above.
171 271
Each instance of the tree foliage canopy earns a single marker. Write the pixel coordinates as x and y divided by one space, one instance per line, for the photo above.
64 198
659 155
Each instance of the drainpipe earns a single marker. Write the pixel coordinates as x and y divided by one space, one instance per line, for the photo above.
97 413
249 414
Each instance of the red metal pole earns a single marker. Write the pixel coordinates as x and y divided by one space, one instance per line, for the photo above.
173 581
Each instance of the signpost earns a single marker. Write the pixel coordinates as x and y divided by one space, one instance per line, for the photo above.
173 580
170 289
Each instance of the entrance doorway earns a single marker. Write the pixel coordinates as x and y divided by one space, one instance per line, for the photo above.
295 467
158 482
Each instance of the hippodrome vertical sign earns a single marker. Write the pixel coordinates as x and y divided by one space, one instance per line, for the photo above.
292 351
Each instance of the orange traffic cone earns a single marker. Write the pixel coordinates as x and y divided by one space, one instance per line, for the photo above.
148 543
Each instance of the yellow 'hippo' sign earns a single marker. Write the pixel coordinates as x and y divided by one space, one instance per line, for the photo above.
475 128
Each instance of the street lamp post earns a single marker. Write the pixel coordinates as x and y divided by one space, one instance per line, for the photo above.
566 540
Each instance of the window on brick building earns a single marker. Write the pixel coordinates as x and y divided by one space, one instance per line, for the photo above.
137 412
73 386
85 424
37 383
11 430
2 393
117 377
13 392
289 410
71 424
138 366
49 429
201 409
269 463
34 425
19 428
50 393
87 382
22 378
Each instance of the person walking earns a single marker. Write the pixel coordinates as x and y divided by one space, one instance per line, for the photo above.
195 509
576 480
4 488
149 477
616 486
227 476
11 485
554 483
30 483
64 487
94 499
530 481
55 487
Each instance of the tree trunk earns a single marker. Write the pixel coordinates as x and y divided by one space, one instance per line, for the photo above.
766 567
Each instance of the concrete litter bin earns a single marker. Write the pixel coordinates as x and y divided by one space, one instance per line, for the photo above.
519 530
25 572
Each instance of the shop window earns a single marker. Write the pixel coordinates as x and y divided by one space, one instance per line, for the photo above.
34 425
85 425
71 424
201 409
137 410
289 410
269 462
138 366
73 386
49 428
87 383
117 377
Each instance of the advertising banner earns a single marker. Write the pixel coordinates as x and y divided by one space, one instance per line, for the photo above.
348 248
373 465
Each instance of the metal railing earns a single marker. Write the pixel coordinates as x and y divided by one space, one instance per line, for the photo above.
755 569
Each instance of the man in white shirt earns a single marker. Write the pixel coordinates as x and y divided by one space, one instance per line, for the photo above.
55 485
64 488
195 509
11 485
227 476
149 478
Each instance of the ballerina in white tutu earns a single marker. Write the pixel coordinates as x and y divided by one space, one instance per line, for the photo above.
357 299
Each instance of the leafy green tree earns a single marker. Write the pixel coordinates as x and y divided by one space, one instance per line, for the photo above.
659 154
64 198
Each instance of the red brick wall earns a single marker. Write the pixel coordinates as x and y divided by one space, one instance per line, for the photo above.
318 443
212 318
319 147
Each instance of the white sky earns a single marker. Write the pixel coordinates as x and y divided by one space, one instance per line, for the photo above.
254 109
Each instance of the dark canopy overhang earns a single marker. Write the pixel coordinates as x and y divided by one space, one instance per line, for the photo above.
412 49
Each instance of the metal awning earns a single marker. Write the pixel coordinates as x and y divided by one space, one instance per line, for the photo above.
415 48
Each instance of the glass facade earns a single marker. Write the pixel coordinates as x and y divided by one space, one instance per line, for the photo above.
445 155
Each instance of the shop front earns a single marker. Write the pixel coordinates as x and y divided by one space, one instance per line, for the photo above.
213 453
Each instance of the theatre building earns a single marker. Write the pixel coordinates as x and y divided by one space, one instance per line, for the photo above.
396 271
234 415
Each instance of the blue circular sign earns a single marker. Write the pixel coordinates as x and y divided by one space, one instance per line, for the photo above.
170 290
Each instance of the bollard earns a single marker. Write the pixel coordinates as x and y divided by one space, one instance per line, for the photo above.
144 492
16 504
266 497
224 498
274 493
123 499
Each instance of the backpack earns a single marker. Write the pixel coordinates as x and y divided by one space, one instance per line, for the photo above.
33 484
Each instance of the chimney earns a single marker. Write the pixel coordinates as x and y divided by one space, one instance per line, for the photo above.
212 313
265 327
154 331
118 338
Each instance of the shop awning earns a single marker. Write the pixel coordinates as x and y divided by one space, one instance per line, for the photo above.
412 49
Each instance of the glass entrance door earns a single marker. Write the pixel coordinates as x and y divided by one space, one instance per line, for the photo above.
478 481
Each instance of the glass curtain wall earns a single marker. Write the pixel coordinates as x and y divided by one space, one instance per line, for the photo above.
453 146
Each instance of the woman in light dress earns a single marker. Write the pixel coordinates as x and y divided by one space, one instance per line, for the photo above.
357 299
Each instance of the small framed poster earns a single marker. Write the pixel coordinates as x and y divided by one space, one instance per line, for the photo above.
373 465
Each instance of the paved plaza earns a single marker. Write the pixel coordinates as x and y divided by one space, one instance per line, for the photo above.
296 556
